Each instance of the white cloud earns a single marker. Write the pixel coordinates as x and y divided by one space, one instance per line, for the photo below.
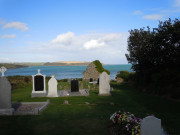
177 3
16 25
109 48
8 36
153 17
64 39
2 21
102 40
93 44
3 59
137 12
111 37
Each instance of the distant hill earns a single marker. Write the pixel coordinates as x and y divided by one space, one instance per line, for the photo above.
30 63
67 63
60 63
10 66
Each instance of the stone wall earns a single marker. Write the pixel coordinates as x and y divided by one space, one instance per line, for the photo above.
91 72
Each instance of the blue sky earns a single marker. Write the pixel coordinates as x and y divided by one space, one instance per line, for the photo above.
75 30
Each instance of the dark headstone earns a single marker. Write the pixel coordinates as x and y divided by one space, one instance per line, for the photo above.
39 83
74 85
5 93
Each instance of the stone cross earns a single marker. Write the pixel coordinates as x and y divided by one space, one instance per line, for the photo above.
39 71
53 76
3 70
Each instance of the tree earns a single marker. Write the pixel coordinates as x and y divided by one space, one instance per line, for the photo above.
152 50
155 56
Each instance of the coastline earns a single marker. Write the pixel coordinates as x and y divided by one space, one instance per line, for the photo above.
12 66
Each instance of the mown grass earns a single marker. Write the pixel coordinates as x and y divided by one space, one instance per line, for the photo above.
77 118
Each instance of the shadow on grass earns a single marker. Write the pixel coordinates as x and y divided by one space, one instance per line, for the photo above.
79 118
120 86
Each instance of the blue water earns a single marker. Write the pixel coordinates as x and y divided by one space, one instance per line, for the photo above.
63 72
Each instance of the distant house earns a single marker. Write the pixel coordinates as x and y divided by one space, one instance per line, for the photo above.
93 70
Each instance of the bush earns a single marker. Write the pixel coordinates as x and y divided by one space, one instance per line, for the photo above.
124 75
63 80
79 79
19 81
162 83
27 79
132 76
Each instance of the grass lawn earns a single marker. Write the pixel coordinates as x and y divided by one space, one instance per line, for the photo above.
77 118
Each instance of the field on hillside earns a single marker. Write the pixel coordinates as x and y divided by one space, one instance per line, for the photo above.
77 118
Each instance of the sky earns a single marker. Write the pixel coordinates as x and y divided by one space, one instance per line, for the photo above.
76 30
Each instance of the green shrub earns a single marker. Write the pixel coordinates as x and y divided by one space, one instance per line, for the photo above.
79 79
63 80
27 79
124 75
19 81
107 71
100 68
132 76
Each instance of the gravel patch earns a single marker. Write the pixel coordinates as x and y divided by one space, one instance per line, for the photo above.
25 107
31 108
65 93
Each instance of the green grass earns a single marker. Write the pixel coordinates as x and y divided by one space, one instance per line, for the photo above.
80 119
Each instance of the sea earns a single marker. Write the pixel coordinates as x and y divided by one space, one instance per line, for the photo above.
65 72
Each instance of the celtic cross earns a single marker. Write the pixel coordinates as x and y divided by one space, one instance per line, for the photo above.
3 70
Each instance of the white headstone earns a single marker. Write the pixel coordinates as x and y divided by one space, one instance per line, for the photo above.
104 87
52 87
3 70
151 125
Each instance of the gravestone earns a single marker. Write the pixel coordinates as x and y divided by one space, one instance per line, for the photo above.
5 94
74 85
39 85
151 125
104 87
52 87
